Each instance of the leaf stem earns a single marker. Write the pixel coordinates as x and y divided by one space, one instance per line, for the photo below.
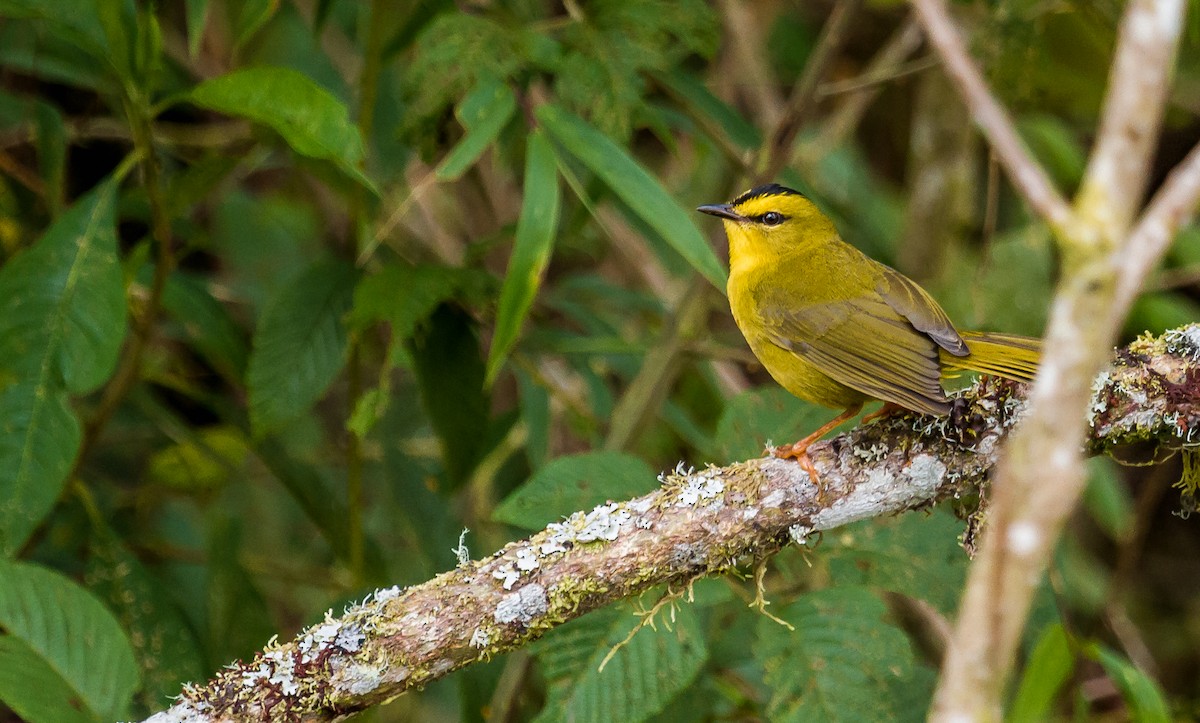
129 368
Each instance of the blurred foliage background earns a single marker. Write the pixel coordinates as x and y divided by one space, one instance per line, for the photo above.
294 291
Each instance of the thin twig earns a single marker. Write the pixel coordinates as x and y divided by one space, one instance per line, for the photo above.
1171 208
1026 174
801 102
902 43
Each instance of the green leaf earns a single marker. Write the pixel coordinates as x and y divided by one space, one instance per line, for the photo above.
640 679
238 618
309 118
39 438
31 687
72 633
450 373
1107 499
840 663
635 186
62 320
535 413
197 22
52 151
693 91
404 296
74 22
206 324
165 646
917 555
117 19
1141 693
484 113
252 16
531 249
299 346
62 302
572 483
1050 666
756 418
200 462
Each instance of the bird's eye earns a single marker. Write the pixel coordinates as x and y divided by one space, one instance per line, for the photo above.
772 218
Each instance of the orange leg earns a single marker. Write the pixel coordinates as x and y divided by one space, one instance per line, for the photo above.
799 450
886 409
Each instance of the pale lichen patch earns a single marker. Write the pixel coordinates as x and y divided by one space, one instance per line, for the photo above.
522 606
926 473
702 486
480 639
1184 342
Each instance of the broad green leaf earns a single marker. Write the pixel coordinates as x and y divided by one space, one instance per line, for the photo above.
62 320
1049 668
206 324
33 689
62 302
1057 146
73 634
917 555
638 681
839 664
484 113
299 346
66 58
759 417
572 483
635 186
404 296
165 646
531 249
75 22
39 438
1143 696
450 372
309 118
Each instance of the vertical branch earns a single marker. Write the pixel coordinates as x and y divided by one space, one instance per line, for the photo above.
1026 175
778 149
1115 180
1040 479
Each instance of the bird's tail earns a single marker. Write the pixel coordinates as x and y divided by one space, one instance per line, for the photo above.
1005 355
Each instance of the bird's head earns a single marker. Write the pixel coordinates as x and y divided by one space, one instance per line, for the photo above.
769 221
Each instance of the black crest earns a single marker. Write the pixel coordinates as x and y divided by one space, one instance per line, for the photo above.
771 189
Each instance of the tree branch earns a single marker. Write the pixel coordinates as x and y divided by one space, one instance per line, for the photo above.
1041 478
1171 208
695 524
1025 173
1115 180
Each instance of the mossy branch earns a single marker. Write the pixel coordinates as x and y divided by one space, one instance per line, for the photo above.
695 524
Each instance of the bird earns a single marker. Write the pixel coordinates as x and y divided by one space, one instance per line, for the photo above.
837 328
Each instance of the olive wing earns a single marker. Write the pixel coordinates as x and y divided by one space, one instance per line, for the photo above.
870 345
